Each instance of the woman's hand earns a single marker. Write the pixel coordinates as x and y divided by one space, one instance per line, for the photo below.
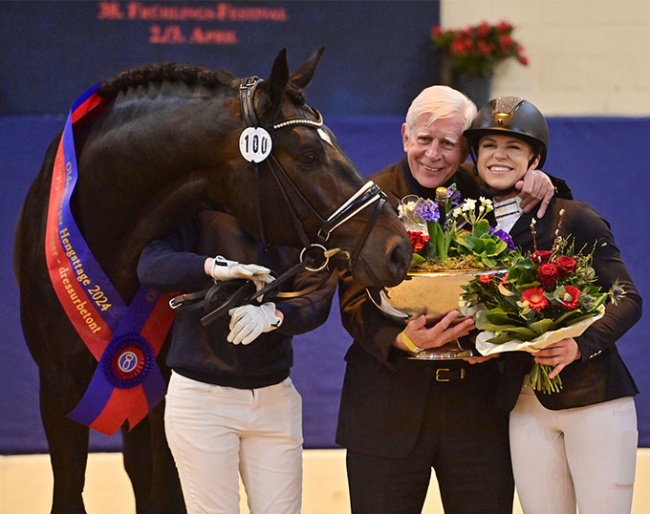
559 355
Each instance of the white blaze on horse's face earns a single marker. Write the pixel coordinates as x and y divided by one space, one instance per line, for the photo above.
325 136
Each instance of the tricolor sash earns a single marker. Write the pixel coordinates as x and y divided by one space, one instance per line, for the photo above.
125 339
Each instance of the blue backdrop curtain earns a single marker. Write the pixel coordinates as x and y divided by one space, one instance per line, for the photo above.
580 151
377 58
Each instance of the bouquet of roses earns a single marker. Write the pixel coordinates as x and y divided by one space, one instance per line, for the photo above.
447 234
544 296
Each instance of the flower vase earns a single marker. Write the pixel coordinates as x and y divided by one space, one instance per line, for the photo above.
477 87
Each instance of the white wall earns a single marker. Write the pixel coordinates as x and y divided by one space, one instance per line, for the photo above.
587 57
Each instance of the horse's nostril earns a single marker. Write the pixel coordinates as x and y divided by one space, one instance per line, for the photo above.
400 259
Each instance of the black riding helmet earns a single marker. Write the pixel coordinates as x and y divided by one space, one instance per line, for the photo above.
513 115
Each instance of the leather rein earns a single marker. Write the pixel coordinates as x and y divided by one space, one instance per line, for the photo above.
314 255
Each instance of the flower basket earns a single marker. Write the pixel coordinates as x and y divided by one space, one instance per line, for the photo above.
452 244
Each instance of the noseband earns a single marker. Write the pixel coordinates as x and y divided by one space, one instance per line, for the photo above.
317 253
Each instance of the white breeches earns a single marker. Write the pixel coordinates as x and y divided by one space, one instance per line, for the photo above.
584 456
216 433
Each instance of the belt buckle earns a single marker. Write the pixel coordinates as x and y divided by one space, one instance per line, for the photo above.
440 378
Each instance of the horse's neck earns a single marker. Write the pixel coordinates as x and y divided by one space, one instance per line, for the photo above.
141 176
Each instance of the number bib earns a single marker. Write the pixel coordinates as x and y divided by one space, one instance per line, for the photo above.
255 144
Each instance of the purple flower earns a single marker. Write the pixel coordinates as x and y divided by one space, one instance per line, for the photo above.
427 210
454 196
504 236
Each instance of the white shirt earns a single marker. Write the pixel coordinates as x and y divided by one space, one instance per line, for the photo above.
507 213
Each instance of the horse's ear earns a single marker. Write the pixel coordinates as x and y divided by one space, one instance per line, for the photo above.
277 82
303 75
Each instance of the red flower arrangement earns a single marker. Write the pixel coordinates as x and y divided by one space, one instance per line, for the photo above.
545 296
477 49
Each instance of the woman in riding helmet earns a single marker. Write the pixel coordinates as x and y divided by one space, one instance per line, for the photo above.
577 446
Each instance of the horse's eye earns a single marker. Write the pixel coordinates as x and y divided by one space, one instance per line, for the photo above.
309 158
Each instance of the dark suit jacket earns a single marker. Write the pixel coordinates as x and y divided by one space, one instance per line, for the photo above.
600 374
383 401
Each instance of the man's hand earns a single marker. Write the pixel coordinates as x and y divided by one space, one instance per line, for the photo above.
434 332
249 321
221 268
535 188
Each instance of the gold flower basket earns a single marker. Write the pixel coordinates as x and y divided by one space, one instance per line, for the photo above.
439 292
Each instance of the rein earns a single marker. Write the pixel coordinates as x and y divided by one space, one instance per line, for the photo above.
314 255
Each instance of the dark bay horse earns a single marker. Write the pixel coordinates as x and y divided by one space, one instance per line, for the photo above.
164 145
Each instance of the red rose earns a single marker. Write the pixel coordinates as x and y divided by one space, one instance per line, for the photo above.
535 298
483 29
505 42
504 26
571 298
565 265
547 274
436 31
541 256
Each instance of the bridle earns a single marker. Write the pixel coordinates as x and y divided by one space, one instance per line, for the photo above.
315 255
367 195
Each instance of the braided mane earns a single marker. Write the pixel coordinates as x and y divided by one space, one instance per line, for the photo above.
163 72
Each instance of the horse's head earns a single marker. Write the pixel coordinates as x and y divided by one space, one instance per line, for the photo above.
303 188
173 139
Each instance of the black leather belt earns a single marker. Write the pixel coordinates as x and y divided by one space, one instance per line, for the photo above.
449 371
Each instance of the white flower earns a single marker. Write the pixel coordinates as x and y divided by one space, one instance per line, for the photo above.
487 204
468 205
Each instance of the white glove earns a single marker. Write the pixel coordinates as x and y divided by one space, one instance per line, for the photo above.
249 321
223 269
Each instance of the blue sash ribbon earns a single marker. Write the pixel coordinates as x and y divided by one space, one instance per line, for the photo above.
125 339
